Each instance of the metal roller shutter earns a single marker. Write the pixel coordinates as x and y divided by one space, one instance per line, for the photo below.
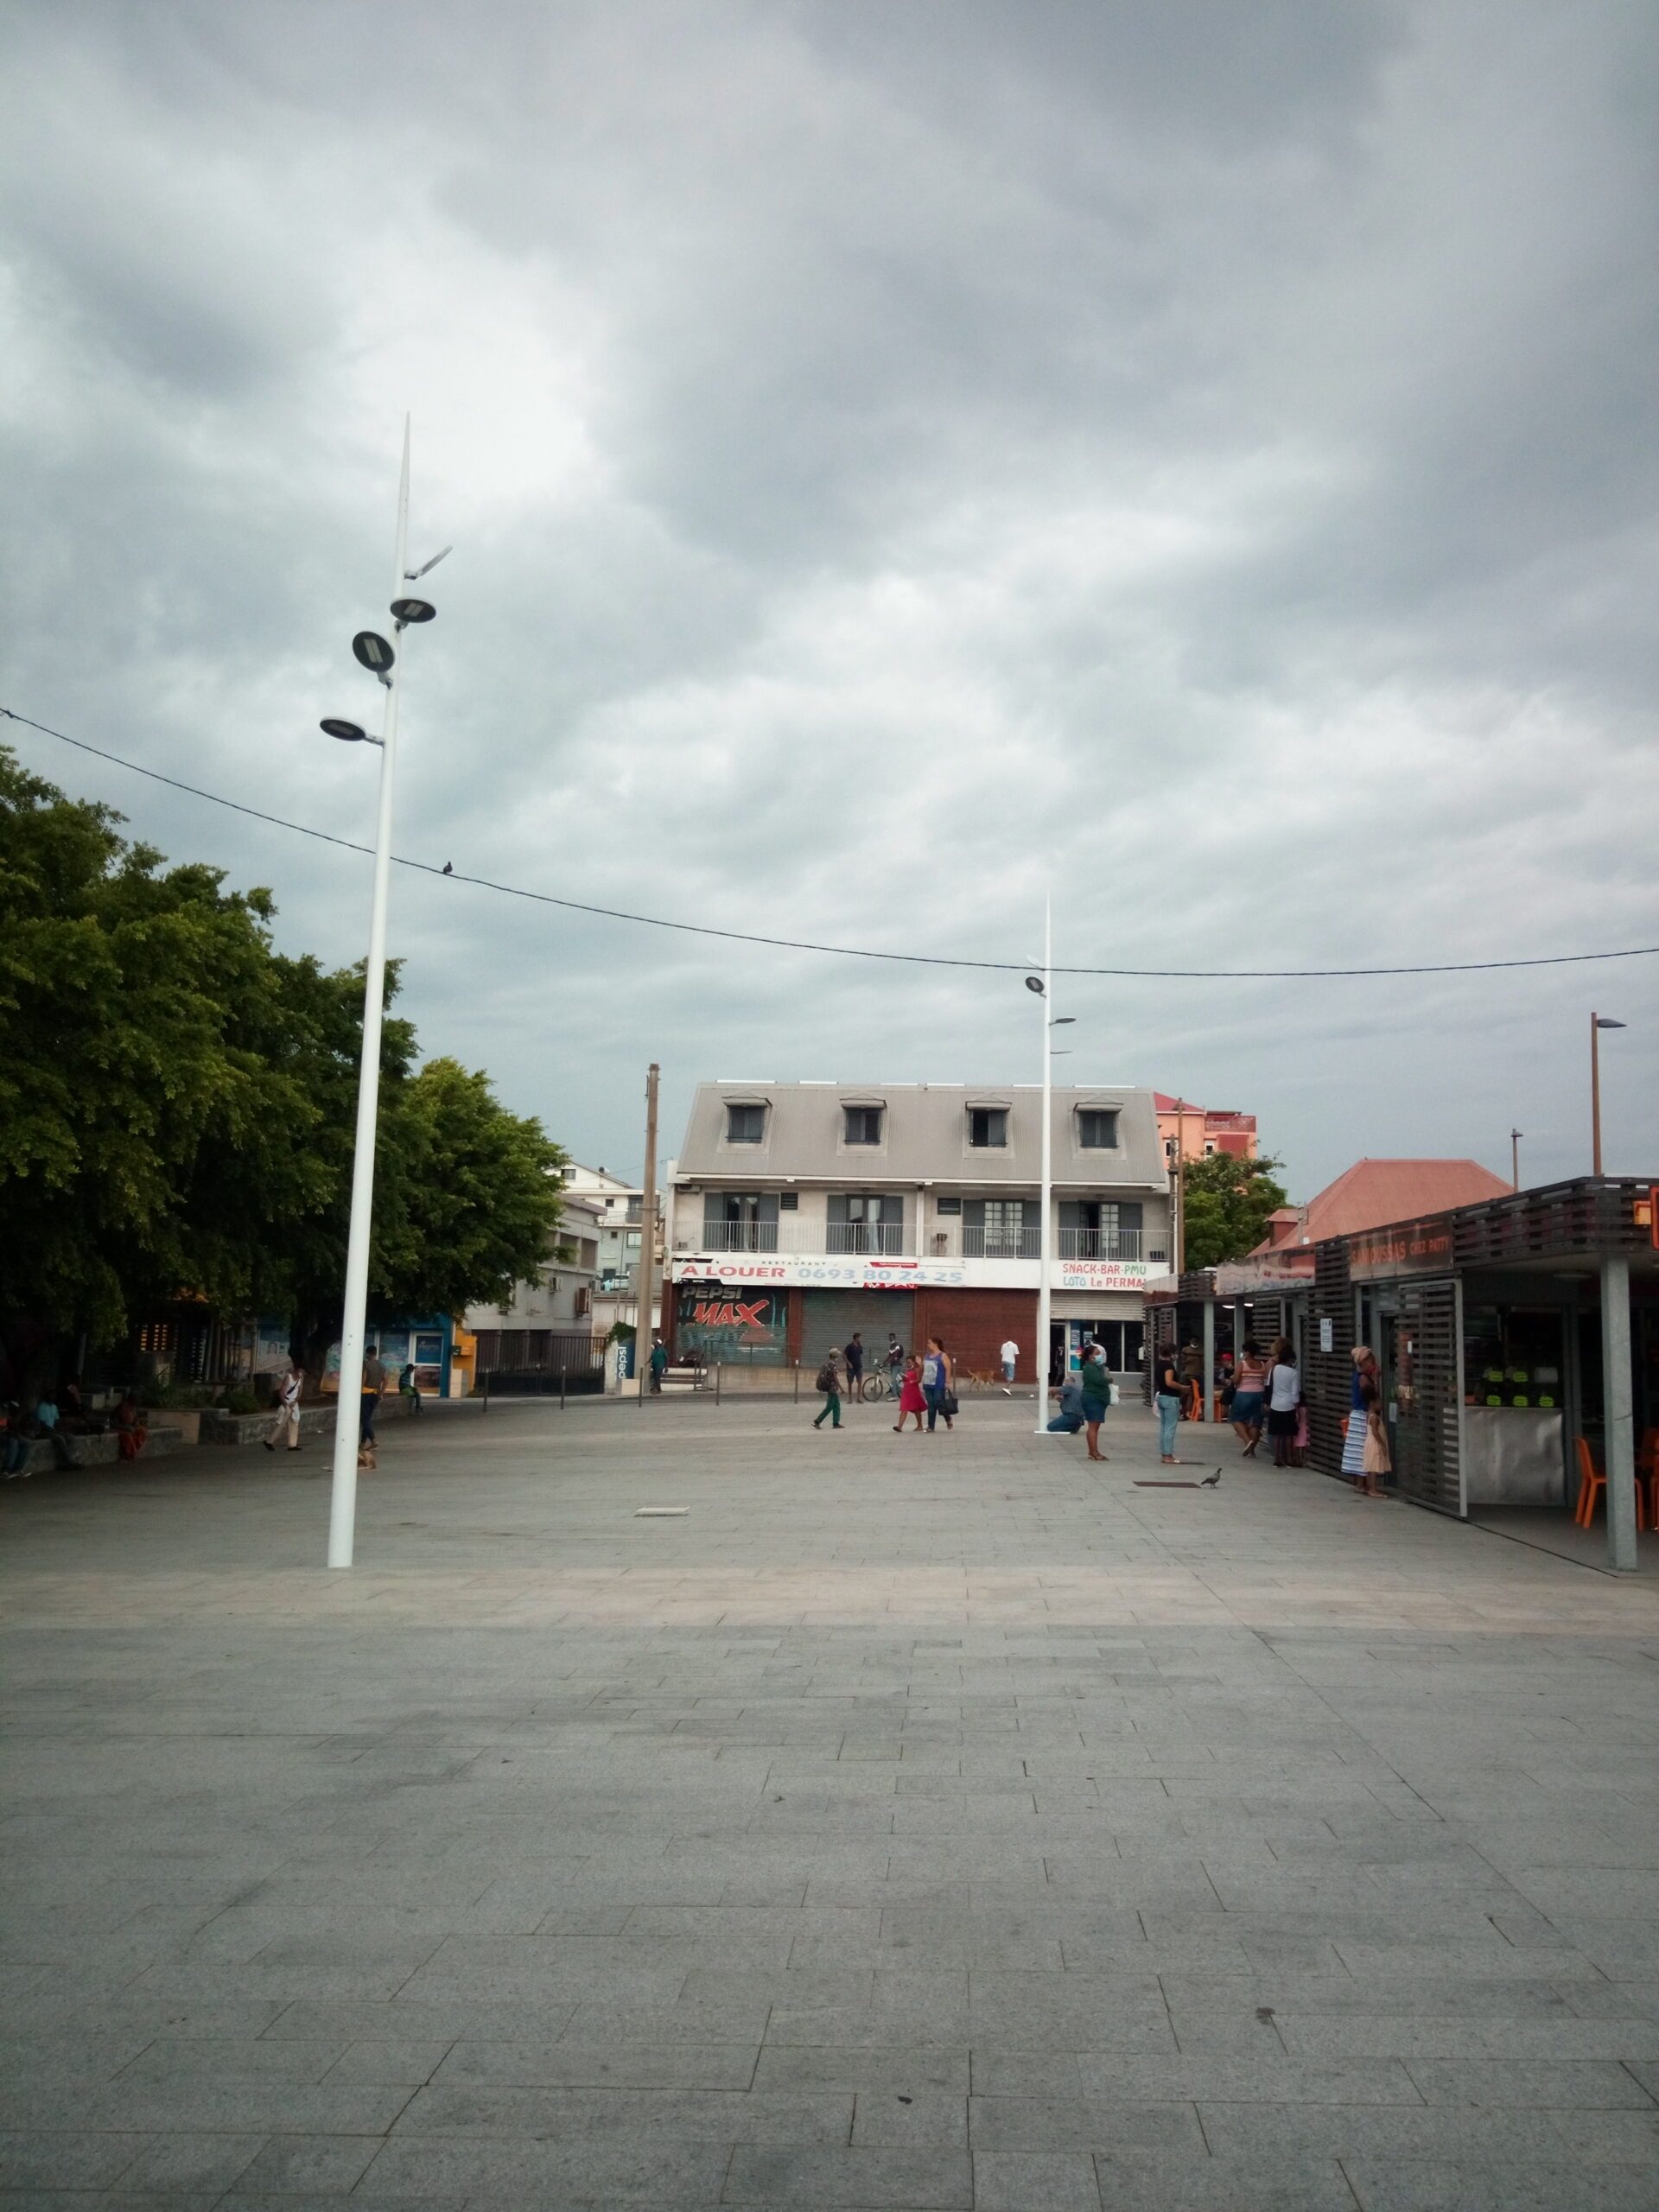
829 1317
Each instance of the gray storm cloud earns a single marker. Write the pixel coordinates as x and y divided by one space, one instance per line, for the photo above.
898 459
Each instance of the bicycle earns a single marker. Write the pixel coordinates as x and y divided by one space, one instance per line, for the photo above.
877 1386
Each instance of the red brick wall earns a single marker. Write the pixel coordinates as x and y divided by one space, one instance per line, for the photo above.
971 1324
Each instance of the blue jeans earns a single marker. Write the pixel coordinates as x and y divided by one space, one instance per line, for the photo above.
934 1404
1066 1425
1169 1415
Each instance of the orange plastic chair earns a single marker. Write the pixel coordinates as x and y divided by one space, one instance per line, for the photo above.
1592 1484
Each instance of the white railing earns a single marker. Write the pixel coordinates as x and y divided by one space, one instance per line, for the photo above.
1100 1244
882 1239
1025 1243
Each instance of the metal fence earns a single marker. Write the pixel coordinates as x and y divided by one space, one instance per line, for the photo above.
530 1363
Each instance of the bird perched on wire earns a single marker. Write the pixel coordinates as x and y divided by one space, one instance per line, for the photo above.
1209 1481
448 867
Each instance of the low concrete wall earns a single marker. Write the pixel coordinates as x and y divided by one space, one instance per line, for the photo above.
316 1420
99 1450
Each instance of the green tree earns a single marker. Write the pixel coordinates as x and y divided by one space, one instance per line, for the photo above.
1227 1201
177 1105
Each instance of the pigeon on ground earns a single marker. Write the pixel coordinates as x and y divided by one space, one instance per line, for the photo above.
1209 1481
448 867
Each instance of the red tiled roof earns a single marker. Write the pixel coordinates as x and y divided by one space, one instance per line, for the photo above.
1374 1193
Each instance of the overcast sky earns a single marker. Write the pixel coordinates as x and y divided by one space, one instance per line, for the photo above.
1202 457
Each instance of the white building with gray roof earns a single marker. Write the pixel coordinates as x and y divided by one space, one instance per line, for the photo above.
801 1211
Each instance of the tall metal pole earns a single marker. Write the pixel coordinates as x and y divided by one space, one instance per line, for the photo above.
647 1237
1045 1233
1595 1095
342 1513
1514 1160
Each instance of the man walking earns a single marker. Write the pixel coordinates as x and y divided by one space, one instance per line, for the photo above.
287 1422
1010 1361
853 1352
659 1364
374 1388
830 1383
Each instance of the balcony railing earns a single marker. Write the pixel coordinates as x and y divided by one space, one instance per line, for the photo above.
1025 1243
949 1240
1100 1244
739 1236
884 1238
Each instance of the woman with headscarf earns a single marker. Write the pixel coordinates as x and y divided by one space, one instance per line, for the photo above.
1097 1385
1365 1446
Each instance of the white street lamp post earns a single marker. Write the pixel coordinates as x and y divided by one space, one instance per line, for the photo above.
1040 984
343 1513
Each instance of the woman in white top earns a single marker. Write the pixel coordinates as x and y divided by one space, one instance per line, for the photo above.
1284 1395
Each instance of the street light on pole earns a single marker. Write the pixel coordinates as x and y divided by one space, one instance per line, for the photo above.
1040 984
377 655
1597 1022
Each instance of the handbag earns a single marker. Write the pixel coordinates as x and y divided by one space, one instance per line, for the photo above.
951 1406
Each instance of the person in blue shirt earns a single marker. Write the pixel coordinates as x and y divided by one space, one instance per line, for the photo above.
1069 1420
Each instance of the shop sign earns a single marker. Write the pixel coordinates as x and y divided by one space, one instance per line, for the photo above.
1411 1248
727 1324
1101 1275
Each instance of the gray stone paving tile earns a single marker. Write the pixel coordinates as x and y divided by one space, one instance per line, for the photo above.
579 2064
1581 2085
907 2120
513 2172
905 2071
1265 2078
701 2115
321 2164
1084 2123
390 2063
1383 2132
1268 2182
212 2104
1431 2185
1035 2180
1619 2138
1402 2035
168 2162
906 2181
182 2059
77 2157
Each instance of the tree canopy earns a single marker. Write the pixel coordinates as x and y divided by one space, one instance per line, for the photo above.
177 1102
1227 1201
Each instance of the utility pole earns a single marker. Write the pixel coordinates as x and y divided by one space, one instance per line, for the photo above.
1044 1241
647 1239
1178 1238
1514 1158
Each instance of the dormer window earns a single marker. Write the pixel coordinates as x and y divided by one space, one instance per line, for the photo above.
987 1128
1097 1129
862 1125
746 1123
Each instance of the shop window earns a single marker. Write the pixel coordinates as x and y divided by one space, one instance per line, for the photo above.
987 1128
1097 1129
863 1124
745 1124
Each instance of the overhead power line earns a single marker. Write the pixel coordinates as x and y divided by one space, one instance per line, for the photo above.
800 945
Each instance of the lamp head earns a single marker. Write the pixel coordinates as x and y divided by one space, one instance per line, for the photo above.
1606 1021
373 652
347 733
413 610
1035 983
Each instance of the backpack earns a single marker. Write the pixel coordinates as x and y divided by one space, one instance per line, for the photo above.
827 1377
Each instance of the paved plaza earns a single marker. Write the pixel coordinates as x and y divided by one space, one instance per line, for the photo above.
915 1823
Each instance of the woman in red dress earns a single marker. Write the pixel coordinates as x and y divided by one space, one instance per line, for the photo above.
910 1400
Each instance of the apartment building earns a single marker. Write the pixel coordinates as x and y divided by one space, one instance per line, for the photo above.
1193 1132
619 1204
801 1211
557 1302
